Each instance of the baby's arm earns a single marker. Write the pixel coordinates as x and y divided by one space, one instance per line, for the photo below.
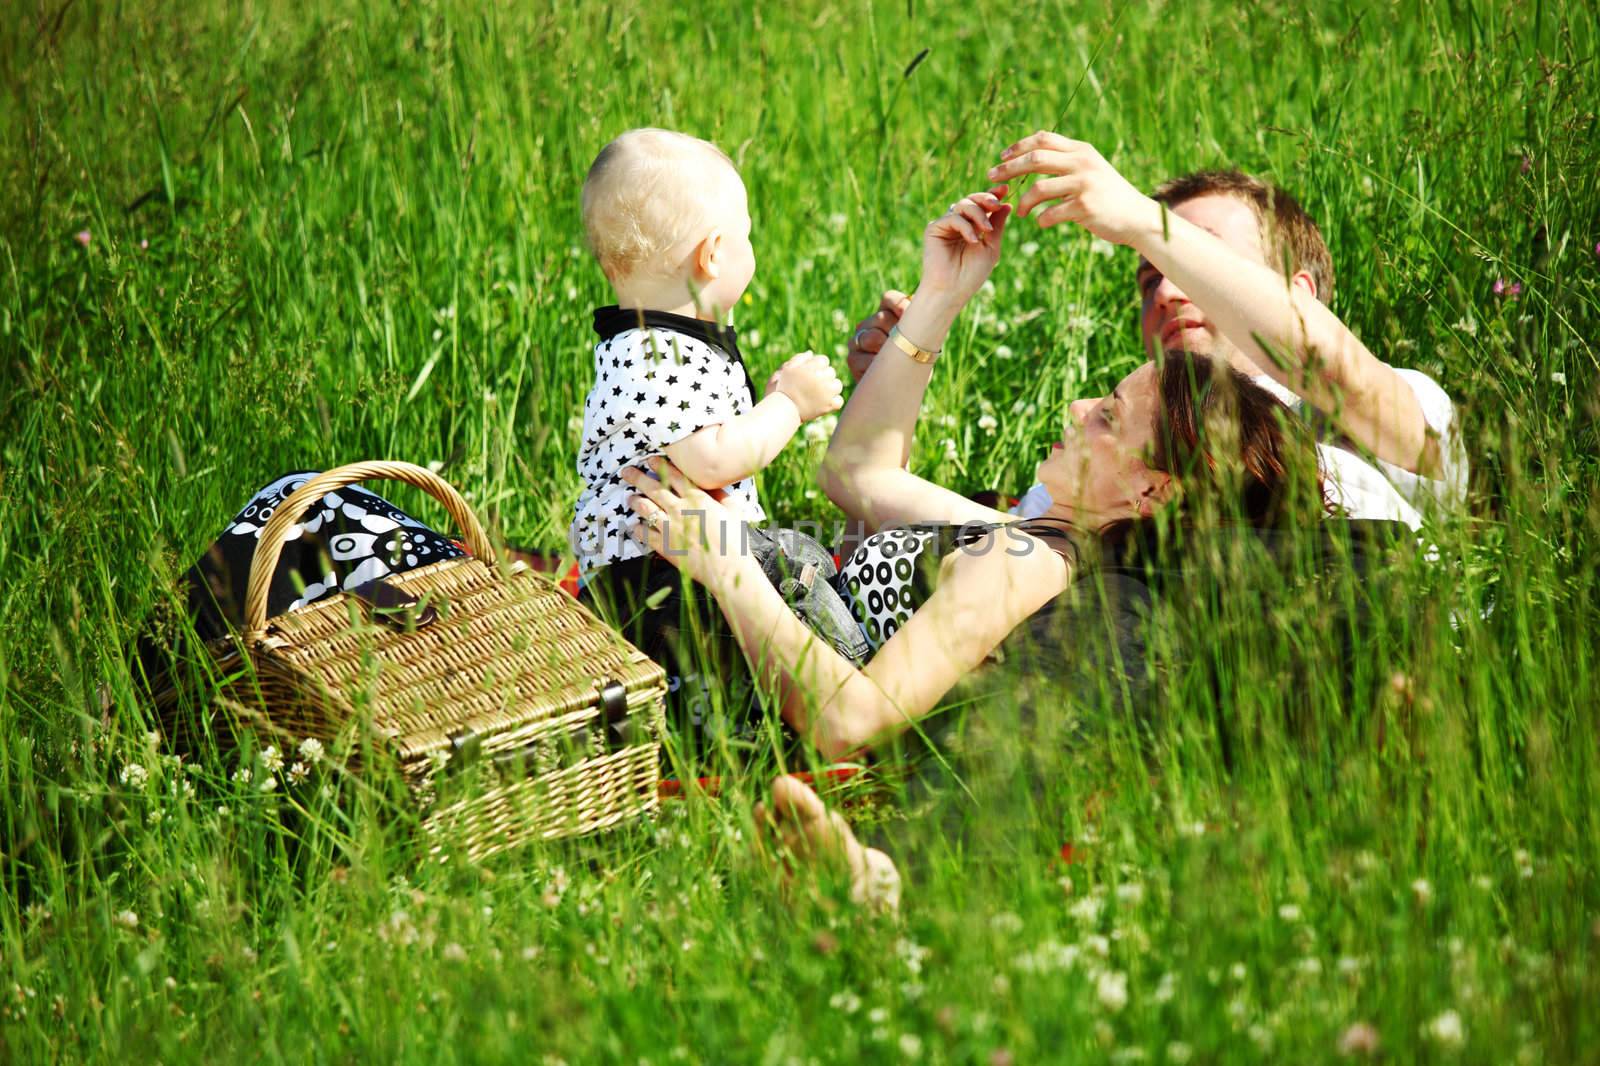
804 388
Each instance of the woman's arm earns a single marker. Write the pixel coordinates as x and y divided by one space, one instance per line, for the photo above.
864 471
1283 328
983 594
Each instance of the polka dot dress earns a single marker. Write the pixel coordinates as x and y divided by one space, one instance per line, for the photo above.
881 581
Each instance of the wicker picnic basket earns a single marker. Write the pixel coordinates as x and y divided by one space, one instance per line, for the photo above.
511 711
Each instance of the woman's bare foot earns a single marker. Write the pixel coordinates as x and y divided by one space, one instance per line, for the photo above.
809 832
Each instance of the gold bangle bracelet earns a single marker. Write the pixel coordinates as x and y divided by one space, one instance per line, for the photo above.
920 355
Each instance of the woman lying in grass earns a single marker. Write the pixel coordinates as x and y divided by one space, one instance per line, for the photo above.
1177 432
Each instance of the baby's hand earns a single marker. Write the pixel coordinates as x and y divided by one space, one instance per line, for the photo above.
811 382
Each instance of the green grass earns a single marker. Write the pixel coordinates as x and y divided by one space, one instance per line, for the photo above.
319 233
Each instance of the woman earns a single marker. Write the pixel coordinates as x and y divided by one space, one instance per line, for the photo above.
1188 427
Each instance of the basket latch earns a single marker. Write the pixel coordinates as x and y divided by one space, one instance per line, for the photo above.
464 747
613 702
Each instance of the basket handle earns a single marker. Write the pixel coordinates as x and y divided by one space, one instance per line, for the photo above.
270 547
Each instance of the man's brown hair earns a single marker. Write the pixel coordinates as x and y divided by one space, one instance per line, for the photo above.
1291 238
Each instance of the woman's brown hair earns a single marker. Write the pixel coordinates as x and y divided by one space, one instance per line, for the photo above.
1231 445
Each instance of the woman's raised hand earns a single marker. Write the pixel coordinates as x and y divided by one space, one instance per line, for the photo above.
1086 189
961 246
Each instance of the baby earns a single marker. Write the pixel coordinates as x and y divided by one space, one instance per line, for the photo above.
667 218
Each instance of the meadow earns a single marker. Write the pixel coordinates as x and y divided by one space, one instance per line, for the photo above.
243 238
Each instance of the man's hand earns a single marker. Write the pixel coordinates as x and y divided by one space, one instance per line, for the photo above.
871 332
1088 190
811 382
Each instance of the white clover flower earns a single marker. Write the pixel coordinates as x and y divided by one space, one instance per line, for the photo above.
1112 990
1467 326
910 1045
1349 965
1422 890
1098 944
1087 909
268 783
1446 1030
574 426
134 775
1179 1053
1166 988
438 334
453 952
752 339
838 221
1261 1037
1049 957
841 321
988 423
1130 893
1003 352
878 1015
1081 324
1310 966
243 775
911 953
1289 912
126 919
1238 971
1100 247
298 773
1006 922
950 452
271 758
846 1002
1558 377
820 430
1195 828
1238 1010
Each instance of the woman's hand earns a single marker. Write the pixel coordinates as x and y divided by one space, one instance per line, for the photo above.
1088 190
686 525
961 247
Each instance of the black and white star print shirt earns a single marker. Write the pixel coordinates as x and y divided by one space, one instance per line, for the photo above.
658 377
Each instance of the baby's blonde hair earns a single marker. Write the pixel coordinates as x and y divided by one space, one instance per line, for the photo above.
647 191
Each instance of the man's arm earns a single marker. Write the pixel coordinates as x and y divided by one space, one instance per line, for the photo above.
1283 327
1296 339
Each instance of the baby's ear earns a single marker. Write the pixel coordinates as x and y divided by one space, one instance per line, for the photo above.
708 256
1302 279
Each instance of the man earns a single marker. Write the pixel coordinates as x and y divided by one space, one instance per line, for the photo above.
1234 268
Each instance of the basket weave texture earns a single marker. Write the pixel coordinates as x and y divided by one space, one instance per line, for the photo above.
514 715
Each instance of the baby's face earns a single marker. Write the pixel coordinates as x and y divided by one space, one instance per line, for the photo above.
736 257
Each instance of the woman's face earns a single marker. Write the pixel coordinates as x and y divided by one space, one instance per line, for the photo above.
1100 465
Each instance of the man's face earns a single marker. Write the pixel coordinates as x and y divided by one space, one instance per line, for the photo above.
1167 320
